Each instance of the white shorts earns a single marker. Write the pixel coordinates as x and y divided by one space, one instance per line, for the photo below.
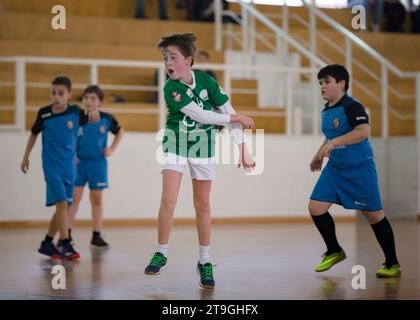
200 168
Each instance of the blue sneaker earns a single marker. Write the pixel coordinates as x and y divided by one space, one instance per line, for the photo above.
157 264
68 253
48 248
60 242
206 275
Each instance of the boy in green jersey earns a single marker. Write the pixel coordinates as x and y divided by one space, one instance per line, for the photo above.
196 103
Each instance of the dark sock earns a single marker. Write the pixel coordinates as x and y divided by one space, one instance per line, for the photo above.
48 238
326 228
385 237
66 242
96 234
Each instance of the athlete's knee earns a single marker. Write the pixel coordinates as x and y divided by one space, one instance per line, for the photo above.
202 205
168 202
96 200
314 209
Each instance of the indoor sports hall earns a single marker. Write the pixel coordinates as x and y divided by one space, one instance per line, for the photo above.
265 56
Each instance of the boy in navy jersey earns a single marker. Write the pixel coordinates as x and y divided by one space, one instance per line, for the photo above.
59 123
92 167
349 178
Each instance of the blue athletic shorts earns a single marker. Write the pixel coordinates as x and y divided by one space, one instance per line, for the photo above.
59 190
95 172
353 188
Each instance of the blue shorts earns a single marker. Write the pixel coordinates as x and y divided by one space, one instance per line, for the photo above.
353 188
95 172
59 190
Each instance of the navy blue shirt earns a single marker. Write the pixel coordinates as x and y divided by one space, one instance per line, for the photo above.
340 119
59 138
93 137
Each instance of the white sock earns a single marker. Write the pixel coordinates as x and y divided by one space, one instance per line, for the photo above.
204 254
163 249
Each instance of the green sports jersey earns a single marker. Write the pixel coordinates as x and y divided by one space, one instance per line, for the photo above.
184 136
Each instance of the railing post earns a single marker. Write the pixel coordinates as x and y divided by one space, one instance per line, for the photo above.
161 99
245 32
253 33
312 33
94 73
285 23
20 93
348 58
384 99
218 25
289 103
227 86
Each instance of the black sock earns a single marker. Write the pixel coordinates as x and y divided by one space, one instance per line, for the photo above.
70 234
96 234
385 237
48 238
326 228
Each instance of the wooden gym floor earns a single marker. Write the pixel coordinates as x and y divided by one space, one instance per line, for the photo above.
261 261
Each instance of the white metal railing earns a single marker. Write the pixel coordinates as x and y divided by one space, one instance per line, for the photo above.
20 84
249 35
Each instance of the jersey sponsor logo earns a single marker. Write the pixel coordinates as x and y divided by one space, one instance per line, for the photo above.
176 96
190 93
70 124
102 129
80 132
361 118
336 123
46 115
204 95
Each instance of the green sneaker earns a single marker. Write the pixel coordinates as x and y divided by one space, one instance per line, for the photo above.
206 275
389 272
329 260
157 263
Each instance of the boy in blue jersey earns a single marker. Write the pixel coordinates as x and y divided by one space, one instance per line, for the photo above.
59 123
349 178
92 151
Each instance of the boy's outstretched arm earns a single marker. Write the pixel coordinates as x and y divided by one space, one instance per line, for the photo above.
110 150
359 133
24 166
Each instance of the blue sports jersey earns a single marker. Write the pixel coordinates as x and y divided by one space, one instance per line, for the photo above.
93 137
59 139
340 119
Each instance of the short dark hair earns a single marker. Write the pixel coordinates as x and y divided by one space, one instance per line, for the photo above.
62 80
94 89
185 42
336 71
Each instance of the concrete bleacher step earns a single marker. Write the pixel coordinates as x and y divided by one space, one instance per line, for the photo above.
102 30
106 29
102 8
